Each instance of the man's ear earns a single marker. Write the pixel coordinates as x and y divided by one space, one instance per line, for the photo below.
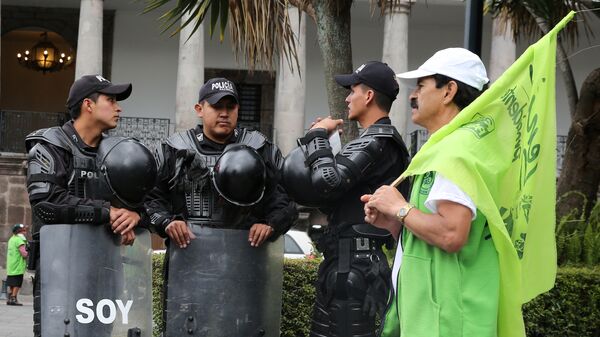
451 90
199 109
369 96
86 105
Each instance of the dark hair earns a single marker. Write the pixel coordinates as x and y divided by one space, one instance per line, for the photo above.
383 101
75 110
465 94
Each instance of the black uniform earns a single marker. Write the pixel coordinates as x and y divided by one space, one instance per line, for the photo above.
185 192
63 184
354 279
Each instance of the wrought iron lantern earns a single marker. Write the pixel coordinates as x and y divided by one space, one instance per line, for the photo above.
44 57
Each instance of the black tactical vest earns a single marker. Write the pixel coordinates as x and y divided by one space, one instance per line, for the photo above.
83 180
193 168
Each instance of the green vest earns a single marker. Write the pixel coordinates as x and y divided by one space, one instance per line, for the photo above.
444 294
15 263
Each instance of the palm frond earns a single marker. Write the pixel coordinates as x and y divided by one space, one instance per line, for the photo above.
522 15
260 29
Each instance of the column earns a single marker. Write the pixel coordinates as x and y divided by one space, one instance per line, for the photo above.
190 75
503 49
395 54
291 91
89 40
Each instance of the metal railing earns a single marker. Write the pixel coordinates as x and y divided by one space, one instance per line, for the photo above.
15 125
419 137
149 131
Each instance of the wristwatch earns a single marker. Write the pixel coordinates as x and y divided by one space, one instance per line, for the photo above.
403 212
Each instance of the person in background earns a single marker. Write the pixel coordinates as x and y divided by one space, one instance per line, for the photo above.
16 257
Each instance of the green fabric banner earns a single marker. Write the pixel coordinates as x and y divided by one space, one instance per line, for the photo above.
501 151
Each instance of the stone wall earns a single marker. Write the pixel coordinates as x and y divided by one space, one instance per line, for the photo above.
14 202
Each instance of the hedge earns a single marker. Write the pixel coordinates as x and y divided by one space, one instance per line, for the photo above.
571 308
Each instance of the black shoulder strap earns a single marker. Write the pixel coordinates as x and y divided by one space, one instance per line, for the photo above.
254 139
383 130
54 135
182 140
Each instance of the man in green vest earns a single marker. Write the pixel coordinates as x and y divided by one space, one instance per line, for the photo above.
446 275
16 256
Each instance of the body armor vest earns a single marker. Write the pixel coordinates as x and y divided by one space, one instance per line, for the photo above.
83 180
203 203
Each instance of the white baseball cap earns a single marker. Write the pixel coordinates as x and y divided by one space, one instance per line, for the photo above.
457 63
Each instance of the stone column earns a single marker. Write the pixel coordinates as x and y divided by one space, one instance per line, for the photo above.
190 76
503 49
291 90
395 54
89 40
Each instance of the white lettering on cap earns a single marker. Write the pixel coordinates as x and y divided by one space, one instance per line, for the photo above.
222 86
360 68
101 79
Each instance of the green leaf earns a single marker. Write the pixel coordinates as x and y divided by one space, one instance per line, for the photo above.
214 16
224 17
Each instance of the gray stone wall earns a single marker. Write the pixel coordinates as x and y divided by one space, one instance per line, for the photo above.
14 202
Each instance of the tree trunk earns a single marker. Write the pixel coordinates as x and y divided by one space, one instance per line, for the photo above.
333 32
581 164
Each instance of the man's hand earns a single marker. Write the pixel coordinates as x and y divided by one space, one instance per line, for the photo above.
127 238
387 200
328 124
123 220
179 232
259 232
381 208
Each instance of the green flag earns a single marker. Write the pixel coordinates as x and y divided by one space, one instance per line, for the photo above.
501 151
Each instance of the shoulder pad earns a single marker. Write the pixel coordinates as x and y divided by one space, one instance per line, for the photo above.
182 140
54 135
254 139
383 131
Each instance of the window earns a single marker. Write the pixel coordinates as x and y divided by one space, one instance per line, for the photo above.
291 247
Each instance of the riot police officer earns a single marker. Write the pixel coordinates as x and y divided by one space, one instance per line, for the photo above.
217 176
64 179
354 278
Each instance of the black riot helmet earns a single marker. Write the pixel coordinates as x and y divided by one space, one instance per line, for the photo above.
127 171
239 175
297 180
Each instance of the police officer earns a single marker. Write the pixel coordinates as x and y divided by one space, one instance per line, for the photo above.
186 194
63 179
354 278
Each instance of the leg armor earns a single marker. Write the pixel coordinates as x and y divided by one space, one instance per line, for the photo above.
352 287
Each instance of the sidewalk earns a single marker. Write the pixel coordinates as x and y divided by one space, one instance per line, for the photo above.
17 321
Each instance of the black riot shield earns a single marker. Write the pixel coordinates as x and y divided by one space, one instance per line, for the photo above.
220 286
92 286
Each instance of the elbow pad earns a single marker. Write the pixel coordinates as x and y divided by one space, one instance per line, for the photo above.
40 172
50 213
319 157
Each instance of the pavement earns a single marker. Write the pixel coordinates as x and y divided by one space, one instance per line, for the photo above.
17 321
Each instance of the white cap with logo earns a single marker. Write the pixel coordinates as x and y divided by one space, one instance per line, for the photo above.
457 63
